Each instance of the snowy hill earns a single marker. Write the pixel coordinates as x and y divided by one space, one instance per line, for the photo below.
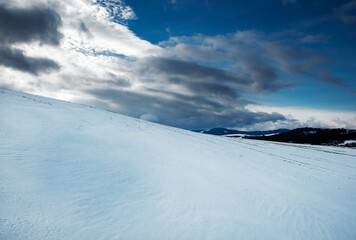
73 172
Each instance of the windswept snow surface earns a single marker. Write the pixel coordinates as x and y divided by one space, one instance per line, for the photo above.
73 172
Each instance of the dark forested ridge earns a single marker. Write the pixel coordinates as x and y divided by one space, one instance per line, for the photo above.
317 136
225 131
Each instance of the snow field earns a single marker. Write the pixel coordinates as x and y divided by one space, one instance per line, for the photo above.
73 172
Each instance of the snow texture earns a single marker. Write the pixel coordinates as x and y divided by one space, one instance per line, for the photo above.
73 172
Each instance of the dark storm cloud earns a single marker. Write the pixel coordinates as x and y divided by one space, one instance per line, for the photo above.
328 77
203 99
189 77
243 55
212 89
26 25
186 94
15 59
189 70
261 62
256 73
264 77
190 113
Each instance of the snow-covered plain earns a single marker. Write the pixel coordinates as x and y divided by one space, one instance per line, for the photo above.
73 172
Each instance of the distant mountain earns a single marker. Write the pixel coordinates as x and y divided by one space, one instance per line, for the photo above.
316 136
225 131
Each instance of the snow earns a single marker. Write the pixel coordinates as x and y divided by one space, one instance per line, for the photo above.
235 135
347 142
73 172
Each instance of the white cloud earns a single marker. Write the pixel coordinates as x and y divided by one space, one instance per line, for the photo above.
89 38
301 117
118 10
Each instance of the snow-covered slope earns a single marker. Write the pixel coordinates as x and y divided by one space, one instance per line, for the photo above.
73 172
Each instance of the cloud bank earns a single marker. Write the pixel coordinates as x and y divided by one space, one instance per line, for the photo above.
29 24
84 51
15 59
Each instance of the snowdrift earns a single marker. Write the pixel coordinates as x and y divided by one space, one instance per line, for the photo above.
73 172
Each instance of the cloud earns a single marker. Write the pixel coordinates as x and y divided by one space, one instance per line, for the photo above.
190 82
26 25
118 10
77 34
187 113
343 12
263 76
189 69
15 58
18 25
303 117
268 63
328 77
313 39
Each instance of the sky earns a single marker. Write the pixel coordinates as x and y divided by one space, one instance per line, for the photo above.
249 65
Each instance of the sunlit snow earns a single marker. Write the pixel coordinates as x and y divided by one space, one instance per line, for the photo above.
73 172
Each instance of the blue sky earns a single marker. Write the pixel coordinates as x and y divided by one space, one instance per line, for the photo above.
190 64
221 17
332 37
